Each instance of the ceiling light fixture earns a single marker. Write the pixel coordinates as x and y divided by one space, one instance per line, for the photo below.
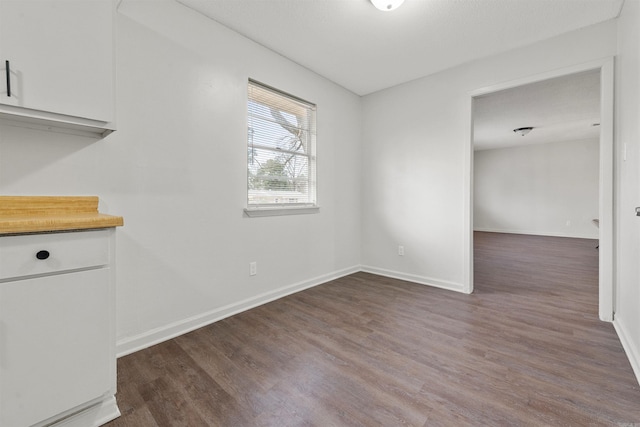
387 5
523 131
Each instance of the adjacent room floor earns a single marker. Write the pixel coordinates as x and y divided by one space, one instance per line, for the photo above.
526 348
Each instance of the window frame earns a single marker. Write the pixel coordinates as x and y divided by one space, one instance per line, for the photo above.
283 208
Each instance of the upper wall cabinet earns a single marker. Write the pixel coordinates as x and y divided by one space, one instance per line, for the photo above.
58 64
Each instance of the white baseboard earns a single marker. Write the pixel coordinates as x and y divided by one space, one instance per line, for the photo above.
147 339
633 353
422 280
97 414
155 336
158 335
537 233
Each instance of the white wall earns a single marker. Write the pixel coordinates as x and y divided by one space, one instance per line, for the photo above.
176 170
416 139
627 310
543 189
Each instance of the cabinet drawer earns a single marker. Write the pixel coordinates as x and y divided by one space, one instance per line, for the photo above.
34 254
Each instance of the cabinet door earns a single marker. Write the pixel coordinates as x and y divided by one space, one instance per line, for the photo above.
55 344
61 56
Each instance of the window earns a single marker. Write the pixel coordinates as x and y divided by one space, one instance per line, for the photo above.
281 161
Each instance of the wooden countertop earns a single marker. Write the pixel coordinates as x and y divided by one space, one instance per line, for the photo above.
32 214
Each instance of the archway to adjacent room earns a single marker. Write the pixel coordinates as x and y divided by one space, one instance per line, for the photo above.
605 179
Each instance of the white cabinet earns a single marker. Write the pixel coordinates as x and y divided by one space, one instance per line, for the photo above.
57 321
61 62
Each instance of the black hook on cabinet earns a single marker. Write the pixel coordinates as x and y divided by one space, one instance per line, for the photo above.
8 72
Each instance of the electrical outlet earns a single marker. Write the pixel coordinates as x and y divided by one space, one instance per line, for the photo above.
401 250
253 268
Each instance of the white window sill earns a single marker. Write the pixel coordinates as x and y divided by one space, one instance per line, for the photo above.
277 211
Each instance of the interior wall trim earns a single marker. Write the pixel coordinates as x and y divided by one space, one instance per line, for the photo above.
421 280
633 353
132 344
155 336
535 233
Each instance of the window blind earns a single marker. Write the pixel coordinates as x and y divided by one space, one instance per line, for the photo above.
280 149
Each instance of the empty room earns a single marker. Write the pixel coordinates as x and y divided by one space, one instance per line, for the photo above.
319 213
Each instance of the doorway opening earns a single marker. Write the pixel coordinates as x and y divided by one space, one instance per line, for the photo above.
579 135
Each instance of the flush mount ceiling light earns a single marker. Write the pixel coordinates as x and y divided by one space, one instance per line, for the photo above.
523 131
387 5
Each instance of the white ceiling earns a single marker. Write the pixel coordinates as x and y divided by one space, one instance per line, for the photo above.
365 50
560 109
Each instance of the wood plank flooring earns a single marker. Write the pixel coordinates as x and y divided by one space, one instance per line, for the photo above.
525 349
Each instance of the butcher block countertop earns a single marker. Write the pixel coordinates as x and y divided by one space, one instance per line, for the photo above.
34 214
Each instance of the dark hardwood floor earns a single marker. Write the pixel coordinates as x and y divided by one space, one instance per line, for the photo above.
525 349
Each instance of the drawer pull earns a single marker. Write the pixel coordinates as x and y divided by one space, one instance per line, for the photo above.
8 72
42 255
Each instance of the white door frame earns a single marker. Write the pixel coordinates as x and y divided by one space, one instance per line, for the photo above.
606 189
